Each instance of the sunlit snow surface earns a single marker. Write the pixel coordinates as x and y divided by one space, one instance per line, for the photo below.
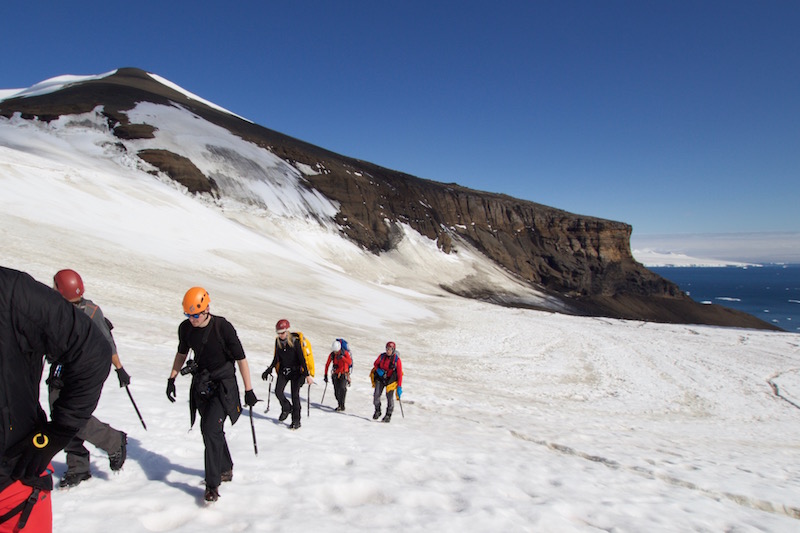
515 420
50 85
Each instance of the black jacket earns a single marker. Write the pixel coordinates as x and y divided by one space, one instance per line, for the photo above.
36 321
290 358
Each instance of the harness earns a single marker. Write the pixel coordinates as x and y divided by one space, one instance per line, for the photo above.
392 370
25 508
339 358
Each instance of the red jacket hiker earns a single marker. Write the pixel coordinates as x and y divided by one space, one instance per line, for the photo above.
387 373
342 362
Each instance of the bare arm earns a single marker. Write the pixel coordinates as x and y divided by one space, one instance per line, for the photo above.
244 369
180 358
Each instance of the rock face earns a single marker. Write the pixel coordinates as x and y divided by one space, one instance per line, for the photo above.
585 261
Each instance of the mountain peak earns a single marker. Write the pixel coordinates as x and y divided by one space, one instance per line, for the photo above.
583 262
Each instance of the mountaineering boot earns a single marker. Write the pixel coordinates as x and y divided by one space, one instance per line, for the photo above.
73 479
284 415
295 425
227 476
387 418
212 494
117 459
377 414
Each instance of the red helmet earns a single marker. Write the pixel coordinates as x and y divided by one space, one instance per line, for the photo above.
196 300
282 325
391 345
69 284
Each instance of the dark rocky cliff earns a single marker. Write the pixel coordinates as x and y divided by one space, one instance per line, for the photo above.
583 260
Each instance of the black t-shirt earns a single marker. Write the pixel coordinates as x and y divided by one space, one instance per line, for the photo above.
223 344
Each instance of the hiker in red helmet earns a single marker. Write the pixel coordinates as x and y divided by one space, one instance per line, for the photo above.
113 441
214 392
36 322
290 364
387 374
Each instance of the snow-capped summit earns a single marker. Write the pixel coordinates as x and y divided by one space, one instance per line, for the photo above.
545 257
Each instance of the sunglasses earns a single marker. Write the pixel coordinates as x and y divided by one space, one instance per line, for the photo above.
196 315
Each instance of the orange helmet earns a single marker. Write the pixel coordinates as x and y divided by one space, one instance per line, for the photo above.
69 284
282 325
195 300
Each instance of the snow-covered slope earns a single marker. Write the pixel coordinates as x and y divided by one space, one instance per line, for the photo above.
512 419
257 189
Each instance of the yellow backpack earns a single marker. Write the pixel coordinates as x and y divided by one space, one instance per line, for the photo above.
308 353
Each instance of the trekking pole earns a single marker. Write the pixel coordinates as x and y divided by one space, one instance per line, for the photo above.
269 392
401 406
308 411
253 429
323 393
135 407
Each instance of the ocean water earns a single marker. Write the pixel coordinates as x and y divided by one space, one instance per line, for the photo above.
770 292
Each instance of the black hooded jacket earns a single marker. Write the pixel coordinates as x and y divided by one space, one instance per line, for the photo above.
36 321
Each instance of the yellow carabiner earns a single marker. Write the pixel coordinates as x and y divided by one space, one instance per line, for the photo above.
40 440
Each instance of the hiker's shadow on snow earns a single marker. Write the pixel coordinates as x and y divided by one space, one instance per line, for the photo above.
332 410
260 415
272 414
157 467
60 468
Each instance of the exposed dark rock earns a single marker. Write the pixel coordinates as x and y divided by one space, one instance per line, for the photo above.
585 260
180 169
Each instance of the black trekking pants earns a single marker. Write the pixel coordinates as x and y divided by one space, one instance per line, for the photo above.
295 407
340 388
217 455
95 432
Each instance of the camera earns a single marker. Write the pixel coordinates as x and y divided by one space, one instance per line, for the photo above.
190 368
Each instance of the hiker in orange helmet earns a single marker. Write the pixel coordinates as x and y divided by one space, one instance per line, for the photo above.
214 392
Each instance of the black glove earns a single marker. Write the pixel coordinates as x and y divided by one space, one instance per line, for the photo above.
171 390
266 373
124 377
38 448
250 398
325 378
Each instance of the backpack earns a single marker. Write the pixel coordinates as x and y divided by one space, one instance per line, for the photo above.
393 368
346 348
308 353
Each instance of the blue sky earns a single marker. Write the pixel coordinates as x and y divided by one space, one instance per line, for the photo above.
672 116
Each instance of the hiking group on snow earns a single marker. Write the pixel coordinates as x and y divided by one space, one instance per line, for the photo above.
70 332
